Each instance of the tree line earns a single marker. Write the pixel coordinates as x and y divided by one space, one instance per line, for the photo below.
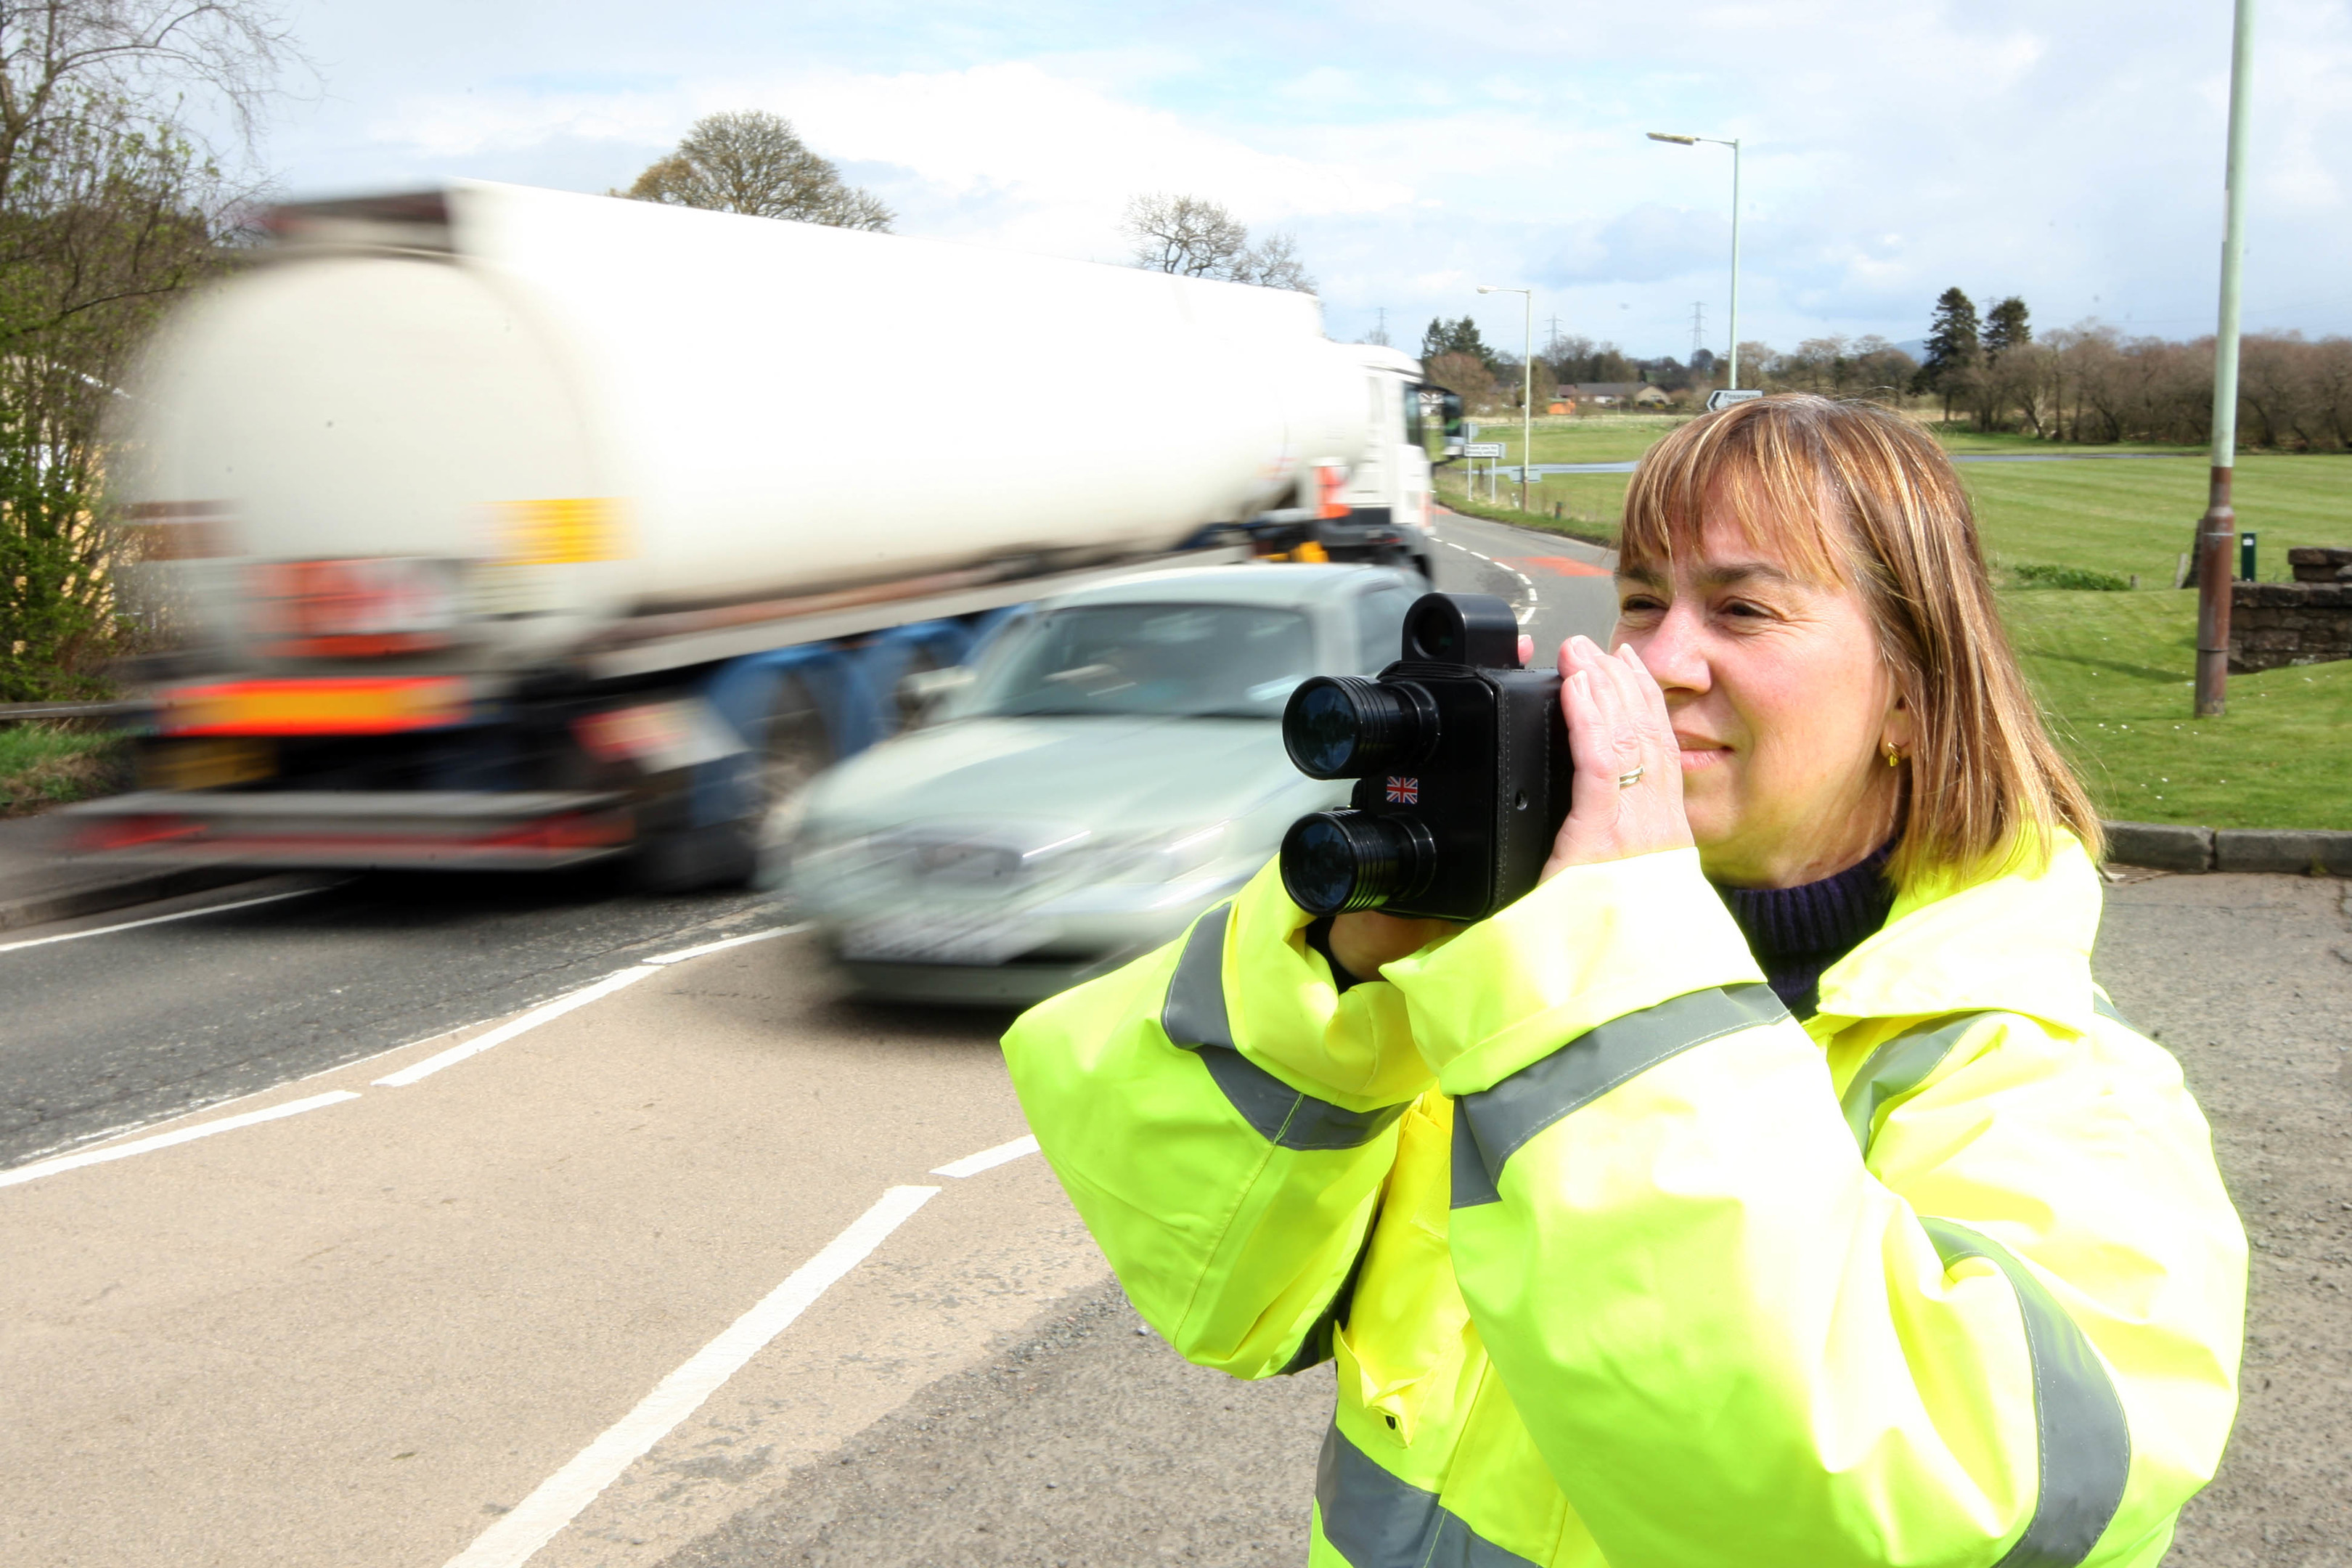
2093 382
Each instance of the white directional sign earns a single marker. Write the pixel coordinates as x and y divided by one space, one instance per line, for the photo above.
1483 449
1725 396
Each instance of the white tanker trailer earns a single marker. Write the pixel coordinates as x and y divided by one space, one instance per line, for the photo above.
508 526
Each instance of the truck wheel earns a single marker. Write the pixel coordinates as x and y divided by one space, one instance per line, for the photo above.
791 748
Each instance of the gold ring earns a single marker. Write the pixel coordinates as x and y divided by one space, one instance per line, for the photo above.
1627 781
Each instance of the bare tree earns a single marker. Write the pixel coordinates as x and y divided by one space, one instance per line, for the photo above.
136 57
1196 238
755 163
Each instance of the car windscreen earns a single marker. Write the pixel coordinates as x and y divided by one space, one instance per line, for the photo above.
1199 661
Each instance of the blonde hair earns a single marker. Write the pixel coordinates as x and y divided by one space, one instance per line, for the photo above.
1852 495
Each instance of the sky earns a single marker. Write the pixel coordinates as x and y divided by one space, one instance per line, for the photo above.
2069 151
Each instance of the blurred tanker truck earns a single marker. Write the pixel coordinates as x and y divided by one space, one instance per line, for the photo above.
496 527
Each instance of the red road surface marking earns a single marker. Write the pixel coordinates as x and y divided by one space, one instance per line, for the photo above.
1560 565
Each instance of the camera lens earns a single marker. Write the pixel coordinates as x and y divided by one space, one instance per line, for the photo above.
1339 727
1335 861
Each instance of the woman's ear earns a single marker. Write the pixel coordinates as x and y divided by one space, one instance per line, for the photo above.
1898 731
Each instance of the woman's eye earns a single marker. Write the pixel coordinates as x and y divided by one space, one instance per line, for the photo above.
1638 605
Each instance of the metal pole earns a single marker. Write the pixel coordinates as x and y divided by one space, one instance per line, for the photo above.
1734 264
1527 404
2218 526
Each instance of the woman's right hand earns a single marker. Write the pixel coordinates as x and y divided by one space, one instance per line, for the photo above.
1366 939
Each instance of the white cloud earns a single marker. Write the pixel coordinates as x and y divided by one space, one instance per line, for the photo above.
2072 154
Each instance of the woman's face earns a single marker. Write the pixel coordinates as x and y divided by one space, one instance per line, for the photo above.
1780 702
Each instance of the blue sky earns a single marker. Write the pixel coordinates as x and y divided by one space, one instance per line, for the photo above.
2068 150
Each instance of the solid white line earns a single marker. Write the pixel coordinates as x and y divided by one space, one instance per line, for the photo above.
682 955
165 1139
159 919
505 1032
559 1499
988 1158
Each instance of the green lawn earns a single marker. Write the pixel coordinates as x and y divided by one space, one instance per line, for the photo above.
2130 515
2118 515
2115 673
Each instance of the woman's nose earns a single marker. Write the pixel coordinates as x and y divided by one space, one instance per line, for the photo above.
1673 650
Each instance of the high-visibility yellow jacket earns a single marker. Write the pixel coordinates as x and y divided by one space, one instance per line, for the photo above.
1621 1264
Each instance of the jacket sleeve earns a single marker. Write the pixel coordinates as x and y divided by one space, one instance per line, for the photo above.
1985 1311
1224 1119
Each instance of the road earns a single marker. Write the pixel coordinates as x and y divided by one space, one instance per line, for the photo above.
700 1271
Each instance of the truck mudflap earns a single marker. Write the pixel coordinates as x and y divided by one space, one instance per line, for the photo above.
442 829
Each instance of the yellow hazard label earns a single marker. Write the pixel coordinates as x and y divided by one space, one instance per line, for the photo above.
562 531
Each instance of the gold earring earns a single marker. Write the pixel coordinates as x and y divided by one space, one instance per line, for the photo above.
1893 756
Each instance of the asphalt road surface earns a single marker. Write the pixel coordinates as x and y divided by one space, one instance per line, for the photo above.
429 1268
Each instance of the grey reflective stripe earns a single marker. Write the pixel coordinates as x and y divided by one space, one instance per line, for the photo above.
1194 1016
1375 1520
1472 1184
1898 1069
2084 1442
1497 1121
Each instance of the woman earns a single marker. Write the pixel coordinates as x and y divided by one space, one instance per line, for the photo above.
1772 1184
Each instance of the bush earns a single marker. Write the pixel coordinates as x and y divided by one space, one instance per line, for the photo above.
2035 575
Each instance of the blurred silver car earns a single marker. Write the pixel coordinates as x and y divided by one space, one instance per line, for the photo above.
1112 766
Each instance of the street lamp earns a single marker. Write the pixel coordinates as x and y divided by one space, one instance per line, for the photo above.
1733 144
1527 390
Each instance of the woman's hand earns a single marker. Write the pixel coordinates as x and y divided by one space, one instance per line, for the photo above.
1617 723
1366 939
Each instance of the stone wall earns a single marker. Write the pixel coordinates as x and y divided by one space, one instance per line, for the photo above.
2307 621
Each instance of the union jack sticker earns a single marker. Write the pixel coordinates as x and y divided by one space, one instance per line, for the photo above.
1405 792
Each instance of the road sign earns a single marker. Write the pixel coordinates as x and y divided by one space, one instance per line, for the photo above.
1482 450
1725 396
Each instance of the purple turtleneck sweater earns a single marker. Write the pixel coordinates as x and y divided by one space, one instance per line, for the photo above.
1797 932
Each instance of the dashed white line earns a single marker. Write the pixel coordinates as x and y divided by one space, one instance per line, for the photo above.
987 1159
167 1140
1526 612
505 1032
159 919
557 1500
401 1080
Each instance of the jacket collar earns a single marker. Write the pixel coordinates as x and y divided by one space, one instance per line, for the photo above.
2019 942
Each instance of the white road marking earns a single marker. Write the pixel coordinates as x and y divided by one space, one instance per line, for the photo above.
557 1500
682 955
988 1158
166 1140
1523 612
159 919
505 1032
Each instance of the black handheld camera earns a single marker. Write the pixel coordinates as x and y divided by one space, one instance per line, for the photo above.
1461 763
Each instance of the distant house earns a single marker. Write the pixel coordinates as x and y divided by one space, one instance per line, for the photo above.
1612 394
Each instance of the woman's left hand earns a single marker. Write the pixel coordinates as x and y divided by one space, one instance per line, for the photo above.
1617 726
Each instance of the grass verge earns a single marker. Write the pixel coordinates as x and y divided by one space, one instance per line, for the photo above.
42 765
2116 672
1589 504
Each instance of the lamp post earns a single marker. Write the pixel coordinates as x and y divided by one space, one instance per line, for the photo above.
2215 529
1527 389
1733 144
